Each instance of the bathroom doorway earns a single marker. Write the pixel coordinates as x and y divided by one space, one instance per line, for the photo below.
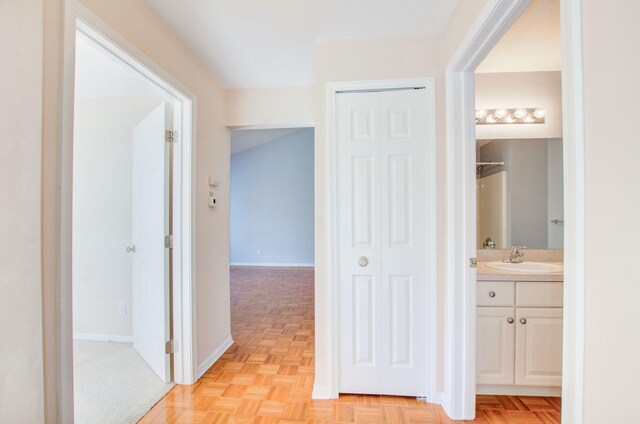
466 261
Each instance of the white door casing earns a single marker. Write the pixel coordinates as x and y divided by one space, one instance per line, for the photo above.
383 236
151 263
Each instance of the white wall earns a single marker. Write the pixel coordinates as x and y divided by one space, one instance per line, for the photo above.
520 89
21 104
272 202
271 106
612 149
102 212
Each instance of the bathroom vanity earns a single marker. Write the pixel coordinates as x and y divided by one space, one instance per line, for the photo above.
519 331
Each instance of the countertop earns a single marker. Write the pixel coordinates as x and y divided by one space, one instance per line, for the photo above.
485 273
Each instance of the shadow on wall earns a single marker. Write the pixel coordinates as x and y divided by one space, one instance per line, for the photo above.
272 197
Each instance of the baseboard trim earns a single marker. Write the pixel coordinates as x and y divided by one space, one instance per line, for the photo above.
519 390
208 363
438 397
321 392
102 337
302 265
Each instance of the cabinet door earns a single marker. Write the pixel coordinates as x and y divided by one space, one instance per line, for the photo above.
495 341
539 346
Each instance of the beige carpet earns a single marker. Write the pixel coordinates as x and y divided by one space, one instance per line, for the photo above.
112 383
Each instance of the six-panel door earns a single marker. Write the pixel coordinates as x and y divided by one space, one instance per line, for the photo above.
382 228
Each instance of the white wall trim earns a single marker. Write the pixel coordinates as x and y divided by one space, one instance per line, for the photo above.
272 126
103 337
321 392
460 383
78 18
217 353
274 264
519 390
574 210
332 271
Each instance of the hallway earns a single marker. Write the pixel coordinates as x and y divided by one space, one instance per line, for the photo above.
267 375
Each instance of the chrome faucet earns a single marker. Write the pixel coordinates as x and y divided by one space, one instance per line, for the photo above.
516 257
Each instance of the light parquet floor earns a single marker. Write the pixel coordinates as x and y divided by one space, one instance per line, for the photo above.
267 375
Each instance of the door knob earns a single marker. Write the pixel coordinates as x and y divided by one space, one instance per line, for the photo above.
363 261
523 321
492 294
131 249
510 320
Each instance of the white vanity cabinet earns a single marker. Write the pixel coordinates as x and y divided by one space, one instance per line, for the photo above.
519 336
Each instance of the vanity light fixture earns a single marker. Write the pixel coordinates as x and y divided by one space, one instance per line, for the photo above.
511 116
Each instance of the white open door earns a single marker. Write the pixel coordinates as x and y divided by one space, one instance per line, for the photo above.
151 222
383 141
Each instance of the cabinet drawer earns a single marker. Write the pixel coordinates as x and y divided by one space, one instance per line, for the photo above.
495 293
539 294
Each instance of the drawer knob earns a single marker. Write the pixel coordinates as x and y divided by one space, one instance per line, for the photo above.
492 294
523 321
510 320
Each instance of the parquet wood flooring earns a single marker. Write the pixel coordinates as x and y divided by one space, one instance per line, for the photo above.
267 375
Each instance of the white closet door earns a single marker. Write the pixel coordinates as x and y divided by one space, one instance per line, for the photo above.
383 213
151 318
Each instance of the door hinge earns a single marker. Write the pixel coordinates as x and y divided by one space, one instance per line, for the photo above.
473 262
168 241
170 136
170 346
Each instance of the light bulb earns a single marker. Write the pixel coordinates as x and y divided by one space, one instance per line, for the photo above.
501 113
529 119
540 113
510 119
520 113
490 119
481 113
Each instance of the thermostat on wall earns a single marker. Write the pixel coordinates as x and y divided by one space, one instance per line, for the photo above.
214 181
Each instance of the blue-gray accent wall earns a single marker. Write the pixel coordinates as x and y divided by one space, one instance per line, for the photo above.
272 210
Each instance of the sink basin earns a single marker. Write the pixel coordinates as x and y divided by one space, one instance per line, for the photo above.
528 267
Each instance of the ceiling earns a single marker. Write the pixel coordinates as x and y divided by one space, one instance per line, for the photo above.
246 139
99 74
531 45
262 43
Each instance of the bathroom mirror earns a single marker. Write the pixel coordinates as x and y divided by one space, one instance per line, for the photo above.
519 193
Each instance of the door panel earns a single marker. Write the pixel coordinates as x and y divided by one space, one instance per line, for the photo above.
495 341
539 347
151 315
382 209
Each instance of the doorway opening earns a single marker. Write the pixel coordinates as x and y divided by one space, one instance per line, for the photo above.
125 290
121 275
520 215
272 267
546 330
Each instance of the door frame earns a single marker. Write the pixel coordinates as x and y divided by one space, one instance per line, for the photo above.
78 18
430 186
460 336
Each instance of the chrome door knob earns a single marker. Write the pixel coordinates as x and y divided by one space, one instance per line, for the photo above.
363 261
523 321
510 320
492 294
131 249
